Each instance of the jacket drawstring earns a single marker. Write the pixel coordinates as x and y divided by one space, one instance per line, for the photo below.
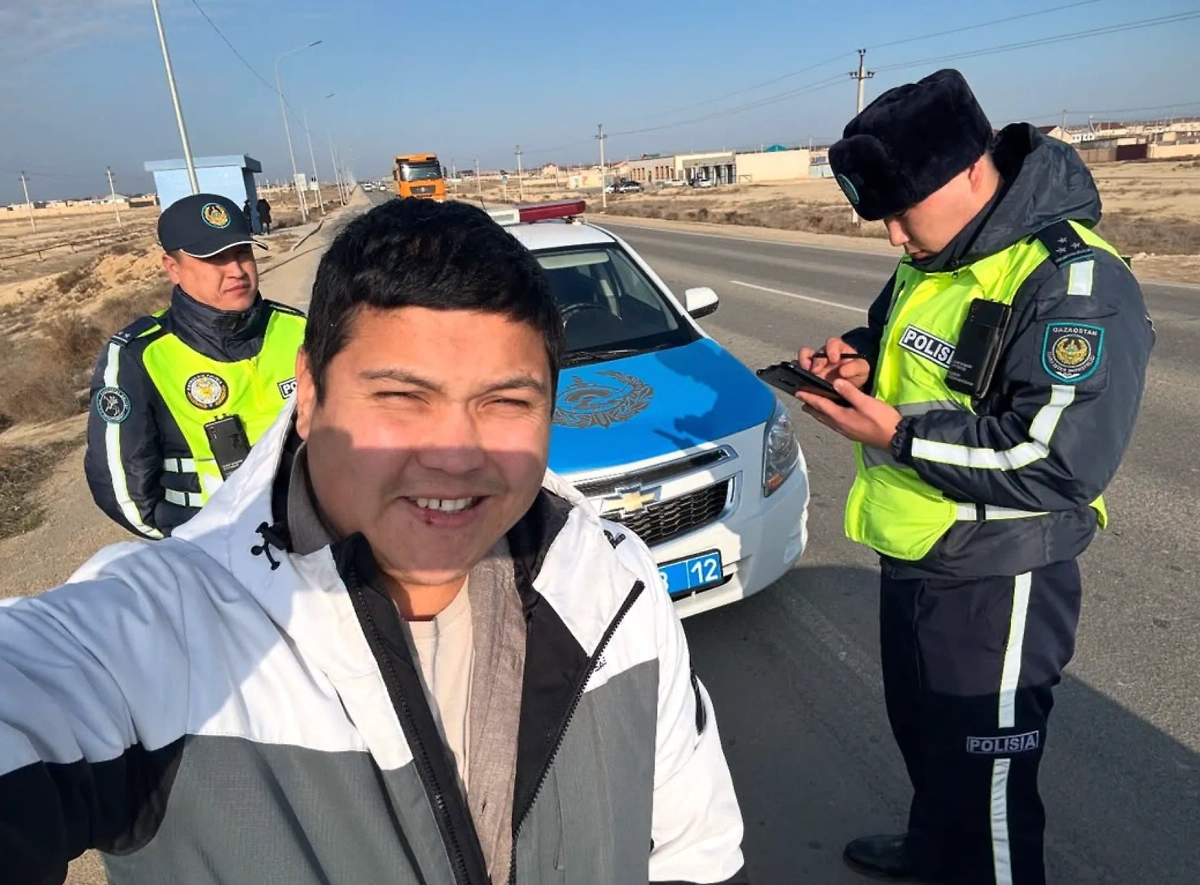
273 536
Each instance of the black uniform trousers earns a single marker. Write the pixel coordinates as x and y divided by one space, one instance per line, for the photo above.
968 669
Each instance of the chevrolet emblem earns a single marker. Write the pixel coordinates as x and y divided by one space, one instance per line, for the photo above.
628 502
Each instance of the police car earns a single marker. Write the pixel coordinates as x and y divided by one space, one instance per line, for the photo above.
660 427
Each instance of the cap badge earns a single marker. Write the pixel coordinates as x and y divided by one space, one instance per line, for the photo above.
214 215
848 189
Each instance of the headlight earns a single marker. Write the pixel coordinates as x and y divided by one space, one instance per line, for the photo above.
781 450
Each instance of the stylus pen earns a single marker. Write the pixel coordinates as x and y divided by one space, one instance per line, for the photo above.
844 356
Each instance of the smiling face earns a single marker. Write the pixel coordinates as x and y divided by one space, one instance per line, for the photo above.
225 281
431 436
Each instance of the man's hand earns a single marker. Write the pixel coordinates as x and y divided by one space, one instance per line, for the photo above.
867 420
836 359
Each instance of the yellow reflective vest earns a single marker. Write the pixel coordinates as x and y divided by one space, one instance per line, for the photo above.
891 508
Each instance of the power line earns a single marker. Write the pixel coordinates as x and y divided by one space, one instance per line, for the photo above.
737 109
242 58
1054 115
841 55
814 87
688 107
997 21
1046 41
233 48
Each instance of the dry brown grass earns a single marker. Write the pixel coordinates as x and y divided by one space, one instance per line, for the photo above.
780 214
46 373
22 470
1133 232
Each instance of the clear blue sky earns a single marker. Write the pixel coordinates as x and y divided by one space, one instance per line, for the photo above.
82 84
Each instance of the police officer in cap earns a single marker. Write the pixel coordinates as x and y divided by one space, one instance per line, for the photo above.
179 397
991 395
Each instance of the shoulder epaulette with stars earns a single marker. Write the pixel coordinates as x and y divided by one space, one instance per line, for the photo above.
1064 244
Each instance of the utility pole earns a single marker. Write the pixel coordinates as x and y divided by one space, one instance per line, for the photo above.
478 180
187 147
603 172
112 189
1064 122
28 202
337 176
313 157
861 75
520 181
287 129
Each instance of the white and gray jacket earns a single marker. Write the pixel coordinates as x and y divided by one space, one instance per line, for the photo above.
213 708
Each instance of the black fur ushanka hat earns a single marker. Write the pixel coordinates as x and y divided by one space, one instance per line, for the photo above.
908 143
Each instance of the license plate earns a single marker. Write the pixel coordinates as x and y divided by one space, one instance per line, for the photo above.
693 573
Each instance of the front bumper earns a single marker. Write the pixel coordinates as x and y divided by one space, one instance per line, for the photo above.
759 538
756 550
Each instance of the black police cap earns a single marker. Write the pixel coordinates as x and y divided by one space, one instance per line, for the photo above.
201 225
908 143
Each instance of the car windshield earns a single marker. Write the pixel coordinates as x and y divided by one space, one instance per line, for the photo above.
610 307
420 171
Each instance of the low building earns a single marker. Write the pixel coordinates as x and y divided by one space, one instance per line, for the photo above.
772 165
229 176
652 168
1055 132
718 166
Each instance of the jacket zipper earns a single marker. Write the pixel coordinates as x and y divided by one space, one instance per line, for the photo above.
587 675
458 860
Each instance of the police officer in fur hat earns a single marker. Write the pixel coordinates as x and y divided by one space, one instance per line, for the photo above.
991 396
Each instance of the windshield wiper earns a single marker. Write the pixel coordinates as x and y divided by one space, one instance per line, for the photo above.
575 357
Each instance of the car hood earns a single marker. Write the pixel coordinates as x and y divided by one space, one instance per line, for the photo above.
627 410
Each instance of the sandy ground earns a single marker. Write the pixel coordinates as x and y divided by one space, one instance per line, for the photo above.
74 529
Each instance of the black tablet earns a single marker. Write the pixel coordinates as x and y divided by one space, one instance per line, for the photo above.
789 378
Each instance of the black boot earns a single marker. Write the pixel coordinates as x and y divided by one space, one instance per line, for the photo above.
889 857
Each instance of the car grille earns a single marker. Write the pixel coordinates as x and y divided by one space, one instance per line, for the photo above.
607 486
678 516
423 190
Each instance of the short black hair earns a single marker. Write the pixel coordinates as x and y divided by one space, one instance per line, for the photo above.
421 253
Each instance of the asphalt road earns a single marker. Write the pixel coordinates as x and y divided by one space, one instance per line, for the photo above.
794 672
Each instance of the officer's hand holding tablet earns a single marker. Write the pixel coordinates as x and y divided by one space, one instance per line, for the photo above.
829 382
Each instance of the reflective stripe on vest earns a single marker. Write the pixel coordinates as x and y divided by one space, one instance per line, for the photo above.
890 508
198 390
184 499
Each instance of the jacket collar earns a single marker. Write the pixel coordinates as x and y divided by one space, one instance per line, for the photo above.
220 334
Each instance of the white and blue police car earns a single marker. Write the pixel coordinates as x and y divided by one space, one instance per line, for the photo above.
661 428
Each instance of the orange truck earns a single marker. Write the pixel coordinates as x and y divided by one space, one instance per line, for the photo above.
419 175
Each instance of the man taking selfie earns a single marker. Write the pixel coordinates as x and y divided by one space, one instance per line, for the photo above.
393 647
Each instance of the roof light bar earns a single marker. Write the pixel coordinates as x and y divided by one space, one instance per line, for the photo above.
548 211
508 216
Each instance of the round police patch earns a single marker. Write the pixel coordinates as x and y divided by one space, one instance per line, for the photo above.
112 404
214 215
848 189
1071 351
206 391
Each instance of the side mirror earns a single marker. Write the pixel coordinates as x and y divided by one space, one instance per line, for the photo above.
700 302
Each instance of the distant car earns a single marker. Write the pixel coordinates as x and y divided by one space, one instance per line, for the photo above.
664 431
626 186
671 182
704 182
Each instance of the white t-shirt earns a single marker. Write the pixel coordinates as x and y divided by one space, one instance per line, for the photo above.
445 652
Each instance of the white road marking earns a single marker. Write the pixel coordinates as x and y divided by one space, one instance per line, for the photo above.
821 301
